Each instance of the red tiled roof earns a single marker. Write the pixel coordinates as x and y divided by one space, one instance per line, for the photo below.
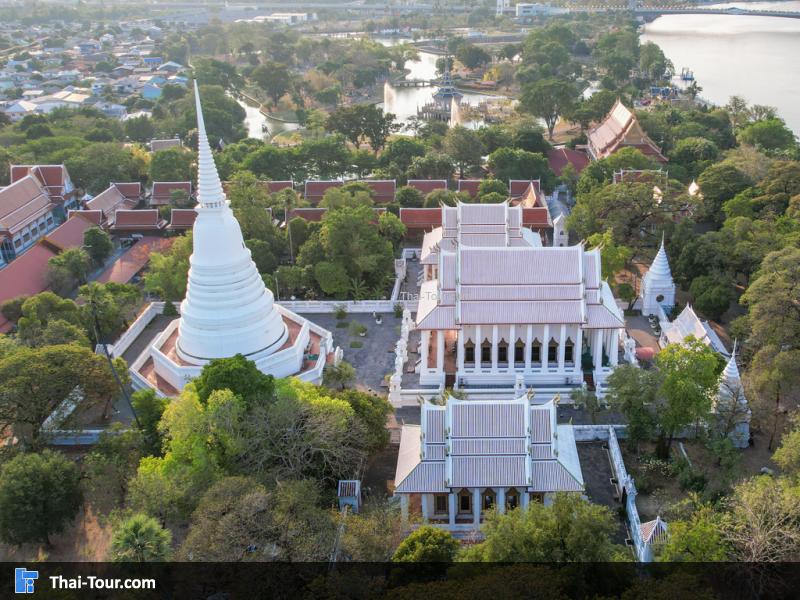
138 219
109 201
536 217
132 190
315 190
426 186
558 158
277 186
95 216
48 175
519 187
21 203
470 186
382 189
156 145
316 214
421 218
25 276
70 233
162 191
134 259
182 218
620 128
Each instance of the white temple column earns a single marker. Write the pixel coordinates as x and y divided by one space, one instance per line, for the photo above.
440 350
545 347
528 340
525 498
425 501
451 508
494 347
476 506
613 348
460 349
562 340
501 501
512 346
597 349
577 351
478 346
425 340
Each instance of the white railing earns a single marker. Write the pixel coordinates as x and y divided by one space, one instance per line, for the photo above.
593 433
625 481
330 306
401 356
119 347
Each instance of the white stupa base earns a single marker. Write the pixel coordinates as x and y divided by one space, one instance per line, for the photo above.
304 351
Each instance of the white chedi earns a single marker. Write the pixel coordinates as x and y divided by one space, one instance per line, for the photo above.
227 310
658 288
730 405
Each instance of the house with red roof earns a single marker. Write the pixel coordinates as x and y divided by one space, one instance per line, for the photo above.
559 158
131 190
161 194
181 219
54 179
470 186
26 214
137 221
382 189
426 186
110 200
620 129
315 190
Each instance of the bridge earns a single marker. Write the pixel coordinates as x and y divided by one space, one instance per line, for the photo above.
657 12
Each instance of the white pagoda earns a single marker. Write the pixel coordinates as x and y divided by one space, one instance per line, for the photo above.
730 405
658 288
228 310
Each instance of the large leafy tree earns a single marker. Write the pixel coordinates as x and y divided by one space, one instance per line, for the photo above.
68 270
699 538
39 494
549 99
237 374
513 163
719 183
427 544
44 315
98 244
569 530
168 272
274 78
36 380
770 134
107 307
94 167
465 147
172 164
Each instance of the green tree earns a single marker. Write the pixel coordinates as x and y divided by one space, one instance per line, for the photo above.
38 316
39 494
168 272
689 375
511 163
340 375
107 308
569 530
427 544
373 534
787 456
408 197
140 538
719 183
464 146
632 391
149 408
699 538
172 164
140 129
548 99
472 56
712 295
613 257
111 464
68 269
36 380
401 151
98 164
434 165
770 134
695 154
98 244
274 79
392 228
237 374
491 185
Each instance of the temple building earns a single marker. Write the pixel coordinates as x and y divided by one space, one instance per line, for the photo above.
469 456
498 309
620 129
228 310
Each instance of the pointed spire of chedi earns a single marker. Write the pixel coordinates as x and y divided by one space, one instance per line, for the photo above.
731 372
660 267
227 309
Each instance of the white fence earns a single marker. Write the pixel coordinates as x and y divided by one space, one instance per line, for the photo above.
625 482
593 433
119 347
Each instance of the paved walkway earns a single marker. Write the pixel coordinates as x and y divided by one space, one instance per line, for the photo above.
597 479
639 329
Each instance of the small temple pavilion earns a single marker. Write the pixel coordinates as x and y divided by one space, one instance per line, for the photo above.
228 310
620 129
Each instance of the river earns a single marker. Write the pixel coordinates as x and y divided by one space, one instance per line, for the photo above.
753 57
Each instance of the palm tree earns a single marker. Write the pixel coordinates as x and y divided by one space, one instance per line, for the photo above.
140 539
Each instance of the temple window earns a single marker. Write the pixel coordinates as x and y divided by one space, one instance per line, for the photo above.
440 504
536 351
486 351
489 499
464 501
519 351
569 351
552 351
469 351
502 351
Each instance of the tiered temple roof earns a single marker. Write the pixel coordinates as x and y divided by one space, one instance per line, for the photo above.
620 129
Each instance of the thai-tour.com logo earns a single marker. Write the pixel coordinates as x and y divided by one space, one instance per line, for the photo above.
24 580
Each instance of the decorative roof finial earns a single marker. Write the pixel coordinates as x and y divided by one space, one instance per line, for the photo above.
731 372
210 194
